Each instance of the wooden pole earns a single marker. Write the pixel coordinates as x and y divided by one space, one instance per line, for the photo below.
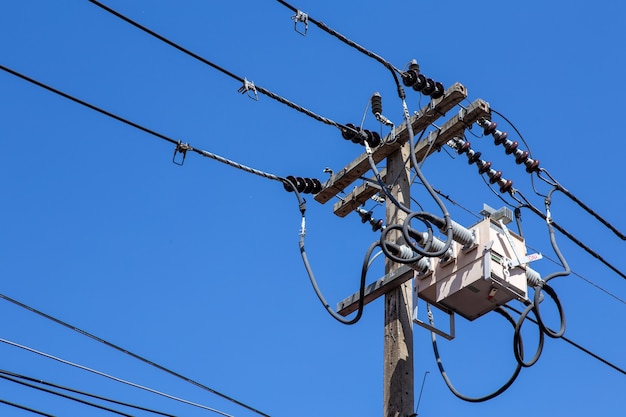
398 340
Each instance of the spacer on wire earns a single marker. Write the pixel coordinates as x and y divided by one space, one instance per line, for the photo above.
181 148
248 87
300 17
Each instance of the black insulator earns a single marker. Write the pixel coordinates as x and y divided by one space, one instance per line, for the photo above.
510 147
373 138
483 166
420 83
300 184
439 90
377 104
464 148
429 87
303 185
506 187
287 186
377 224
350 132
360 137
472 159
499 137
490 128
521 157
308 185
494 176
532 165
410 77
317 186
366 216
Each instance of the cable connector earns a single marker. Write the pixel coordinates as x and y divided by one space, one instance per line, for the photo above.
247 88
300 17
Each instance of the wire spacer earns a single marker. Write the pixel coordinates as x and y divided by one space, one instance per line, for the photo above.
300 17
181 148
248 87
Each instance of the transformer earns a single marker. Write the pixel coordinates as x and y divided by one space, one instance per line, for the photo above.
480 277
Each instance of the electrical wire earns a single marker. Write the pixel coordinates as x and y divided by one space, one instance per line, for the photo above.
113 378
526 204
180 146
576 345
66 396
219 68
22 407
87 394
394 71
447 380
129 353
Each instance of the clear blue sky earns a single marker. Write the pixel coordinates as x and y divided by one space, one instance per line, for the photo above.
198 268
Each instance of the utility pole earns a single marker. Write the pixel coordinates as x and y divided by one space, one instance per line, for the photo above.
396 285
398 393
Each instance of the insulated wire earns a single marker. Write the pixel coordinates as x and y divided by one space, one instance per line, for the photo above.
144 129
66 396
22 407
123 381
342 38
528 205
219 68
576 345
129 353
87 394
446 379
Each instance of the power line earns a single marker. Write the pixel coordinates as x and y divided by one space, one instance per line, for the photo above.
87 394
341 37
246 86
66 396
114 378
180 147
22 407
129 353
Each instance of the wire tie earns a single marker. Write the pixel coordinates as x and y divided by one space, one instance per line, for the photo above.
248 87
180 148
300 17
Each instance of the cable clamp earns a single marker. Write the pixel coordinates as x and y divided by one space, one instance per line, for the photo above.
181 148
300 17
248 87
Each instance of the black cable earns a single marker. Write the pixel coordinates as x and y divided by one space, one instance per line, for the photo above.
179 145
66 396
446 379
87 394
217 67
576 345
571 237
22 407
394 71
131 354
84 103
343 38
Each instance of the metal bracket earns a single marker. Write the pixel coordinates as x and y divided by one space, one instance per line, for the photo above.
247 87
300 17
447 336
181 148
